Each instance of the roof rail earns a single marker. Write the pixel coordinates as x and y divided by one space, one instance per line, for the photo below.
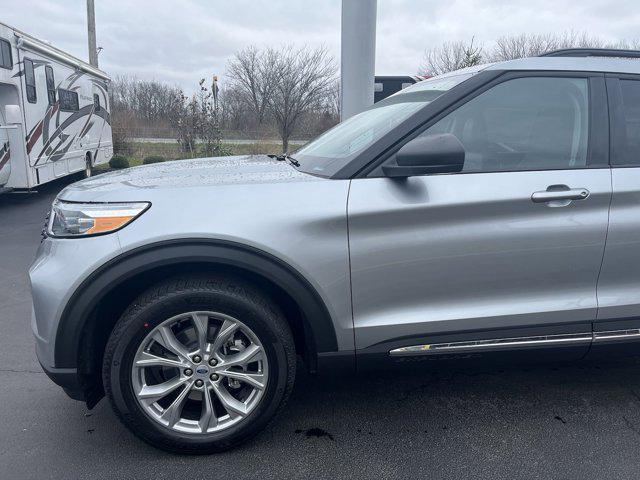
593 52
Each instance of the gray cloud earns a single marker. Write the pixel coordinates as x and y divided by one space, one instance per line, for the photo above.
183 41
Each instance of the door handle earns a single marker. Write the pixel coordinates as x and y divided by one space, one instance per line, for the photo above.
559 193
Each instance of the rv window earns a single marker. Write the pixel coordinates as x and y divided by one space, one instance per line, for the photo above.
5 55
30 81
51 84
68 100
96 102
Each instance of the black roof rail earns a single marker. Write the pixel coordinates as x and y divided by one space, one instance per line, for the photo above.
593 52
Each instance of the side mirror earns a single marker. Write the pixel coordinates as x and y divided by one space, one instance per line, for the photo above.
12 114
441 153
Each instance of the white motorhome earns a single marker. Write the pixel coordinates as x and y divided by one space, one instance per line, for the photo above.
54 112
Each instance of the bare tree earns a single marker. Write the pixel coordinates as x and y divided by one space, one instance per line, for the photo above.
197 123
234 112
531 45
122 122
304 79
185 122
451 56
142 107
626 44
148 99
252 73
209 131
455 55
333 99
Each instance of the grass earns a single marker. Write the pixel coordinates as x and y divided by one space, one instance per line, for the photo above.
172 151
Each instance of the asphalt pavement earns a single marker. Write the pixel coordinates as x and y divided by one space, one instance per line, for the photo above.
573 422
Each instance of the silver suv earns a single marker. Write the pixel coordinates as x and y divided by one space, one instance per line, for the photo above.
490 213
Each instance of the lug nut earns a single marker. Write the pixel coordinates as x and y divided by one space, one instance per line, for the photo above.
188 372
199 383
214 377
213 362
197 358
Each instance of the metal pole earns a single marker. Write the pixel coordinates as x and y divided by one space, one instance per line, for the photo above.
357 66
91 29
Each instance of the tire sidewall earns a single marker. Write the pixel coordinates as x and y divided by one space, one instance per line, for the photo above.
127 340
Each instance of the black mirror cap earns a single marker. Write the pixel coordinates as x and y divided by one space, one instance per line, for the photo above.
439 153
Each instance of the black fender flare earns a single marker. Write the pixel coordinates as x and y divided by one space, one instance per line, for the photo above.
319 330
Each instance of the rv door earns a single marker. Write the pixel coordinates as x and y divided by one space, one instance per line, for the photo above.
13 155
5 165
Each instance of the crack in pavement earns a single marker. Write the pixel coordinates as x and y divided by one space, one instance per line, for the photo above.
12 370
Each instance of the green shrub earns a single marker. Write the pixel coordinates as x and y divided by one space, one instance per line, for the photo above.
153 159
118 161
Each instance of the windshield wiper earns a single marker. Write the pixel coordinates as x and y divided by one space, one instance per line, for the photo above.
285 157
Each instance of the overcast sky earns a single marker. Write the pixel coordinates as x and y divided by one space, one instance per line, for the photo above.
181 41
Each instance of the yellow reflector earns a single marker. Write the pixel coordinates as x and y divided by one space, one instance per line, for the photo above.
108 224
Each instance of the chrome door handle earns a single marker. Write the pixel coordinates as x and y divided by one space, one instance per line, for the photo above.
556 193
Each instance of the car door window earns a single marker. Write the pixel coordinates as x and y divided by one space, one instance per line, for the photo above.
530 123
627 147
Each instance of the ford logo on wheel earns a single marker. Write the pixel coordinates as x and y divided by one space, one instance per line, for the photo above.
202 370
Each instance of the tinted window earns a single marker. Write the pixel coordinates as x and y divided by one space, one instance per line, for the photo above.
30 81
96 102
532 123
5 54
68 100
627 147
335 148
51 85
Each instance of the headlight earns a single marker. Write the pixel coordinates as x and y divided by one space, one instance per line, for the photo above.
83 219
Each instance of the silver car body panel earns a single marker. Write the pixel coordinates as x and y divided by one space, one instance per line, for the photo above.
58 270
453 253
254 201
619 285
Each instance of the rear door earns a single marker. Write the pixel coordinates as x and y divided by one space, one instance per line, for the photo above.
619 284
500 250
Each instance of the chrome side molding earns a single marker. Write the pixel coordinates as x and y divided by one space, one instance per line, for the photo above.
616 335
500 343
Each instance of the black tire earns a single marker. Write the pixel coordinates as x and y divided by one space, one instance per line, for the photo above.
225 295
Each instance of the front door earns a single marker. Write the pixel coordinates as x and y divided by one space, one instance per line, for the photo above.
509 248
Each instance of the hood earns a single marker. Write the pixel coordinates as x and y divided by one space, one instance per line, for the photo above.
182 174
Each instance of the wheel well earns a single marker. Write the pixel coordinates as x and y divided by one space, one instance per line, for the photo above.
108 311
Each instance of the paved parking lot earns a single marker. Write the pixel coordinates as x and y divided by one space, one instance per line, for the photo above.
544 422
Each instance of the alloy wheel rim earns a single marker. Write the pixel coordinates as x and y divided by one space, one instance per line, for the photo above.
199 372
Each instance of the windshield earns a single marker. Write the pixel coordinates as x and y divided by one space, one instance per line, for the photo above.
331 151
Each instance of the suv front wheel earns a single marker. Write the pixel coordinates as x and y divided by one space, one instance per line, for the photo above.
199 365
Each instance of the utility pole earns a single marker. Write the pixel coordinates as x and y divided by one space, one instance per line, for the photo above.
358 56
91 29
